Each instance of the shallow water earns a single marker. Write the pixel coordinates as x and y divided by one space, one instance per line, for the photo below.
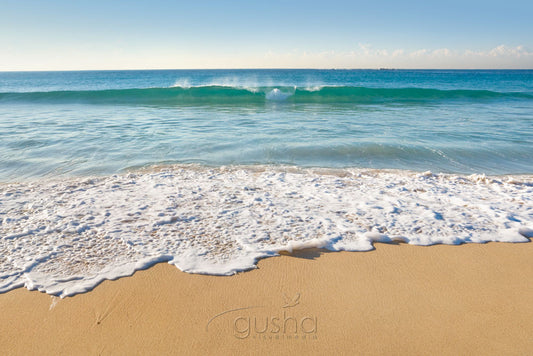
86 123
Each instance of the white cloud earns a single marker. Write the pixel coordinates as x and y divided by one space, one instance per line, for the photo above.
398 53
365 56
441 52
419 53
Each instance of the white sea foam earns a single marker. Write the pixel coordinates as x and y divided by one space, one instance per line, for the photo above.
252 85
277 95
249 85
65 236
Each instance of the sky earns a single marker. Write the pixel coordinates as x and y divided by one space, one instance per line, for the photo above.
164 34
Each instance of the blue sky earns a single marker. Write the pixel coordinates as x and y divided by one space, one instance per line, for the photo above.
58 34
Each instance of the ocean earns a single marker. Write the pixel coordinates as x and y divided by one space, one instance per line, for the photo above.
103 173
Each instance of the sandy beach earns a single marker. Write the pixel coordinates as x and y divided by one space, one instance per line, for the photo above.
397 299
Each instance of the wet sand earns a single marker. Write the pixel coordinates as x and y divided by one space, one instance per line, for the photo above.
398 299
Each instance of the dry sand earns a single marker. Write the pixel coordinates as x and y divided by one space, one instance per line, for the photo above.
398 299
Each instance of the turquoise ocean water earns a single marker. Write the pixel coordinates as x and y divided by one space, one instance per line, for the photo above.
103 122
105 173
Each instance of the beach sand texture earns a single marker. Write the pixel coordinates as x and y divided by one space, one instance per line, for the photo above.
398 299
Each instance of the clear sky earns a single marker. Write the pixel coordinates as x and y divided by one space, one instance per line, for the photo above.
119 34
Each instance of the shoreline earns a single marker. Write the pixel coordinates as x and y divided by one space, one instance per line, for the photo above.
473 298
66 237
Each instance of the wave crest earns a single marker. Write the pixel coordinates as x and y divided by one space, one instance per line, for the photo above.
184 94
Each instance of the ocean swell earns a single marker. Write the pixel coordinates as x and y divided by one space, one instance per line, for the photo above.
215 94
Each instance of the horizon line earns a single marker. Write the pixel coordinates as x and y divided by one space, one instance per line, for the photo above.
258 68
